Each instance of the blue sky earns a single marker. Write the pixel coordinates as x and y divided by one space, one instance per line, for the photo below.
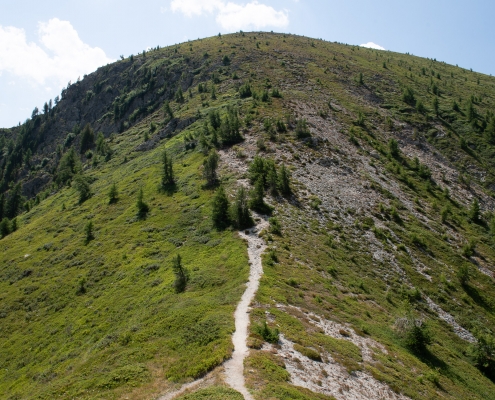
44 44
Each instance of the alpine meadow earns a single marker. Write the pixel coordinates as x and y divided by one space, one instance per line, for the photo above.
252 216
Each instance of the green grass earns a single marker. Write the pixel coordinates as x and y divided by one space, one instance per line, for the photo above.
213 393
58 339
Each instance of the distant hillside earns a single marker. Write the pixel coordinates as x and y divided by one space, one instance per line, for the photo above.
375 172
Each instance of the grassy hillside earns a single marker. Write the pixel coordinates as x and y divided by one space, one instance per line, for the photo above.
390 156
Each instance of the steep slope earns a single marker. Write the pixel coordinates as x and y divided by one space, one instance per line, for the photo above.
378 276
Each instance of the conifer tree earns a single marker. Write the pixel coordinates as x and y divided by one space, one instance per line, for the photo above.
142 207
436 105
113 194
14 202
220 209
168 110
272 177
284 181
81 183
470 112
88 230
256 199
168 171
474 211
181 274
4 227
210 166
179 96
240 210
2 205
87 138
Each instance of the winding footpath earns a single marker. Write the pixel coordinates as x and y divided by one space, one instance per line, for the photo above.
234 368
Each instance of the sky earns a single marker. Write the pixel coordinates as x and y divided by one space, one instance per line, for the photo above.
46 44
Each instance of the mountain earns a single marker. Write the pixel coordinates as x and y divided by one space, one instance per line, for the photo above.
127 239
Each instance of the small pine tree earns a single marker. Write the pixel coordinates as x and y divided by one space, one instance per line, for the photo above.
240 211
360 79
82 185
87 138
179 96
463 274
213 93
113 195
142 207
4 227
88 231
455 106
420 107
474 211
168 171
14 202
302 130
168 111
470 111
181 274
393 147
408 96
284 181
256 201
210 166
436 105
272 178
220 209
13 225
2 204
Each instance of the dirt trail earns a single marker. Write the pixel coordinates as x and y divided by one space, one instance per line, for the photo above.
183 389
234 368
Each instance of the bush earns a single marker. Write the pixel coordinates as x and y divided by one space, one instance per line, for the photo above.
467 249
483 352
302 130
245 91
415 333
308 352
269 335
276 93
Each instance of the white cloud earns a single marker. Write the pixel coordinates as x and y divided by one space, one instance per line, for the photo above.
234 16
372 45
59 57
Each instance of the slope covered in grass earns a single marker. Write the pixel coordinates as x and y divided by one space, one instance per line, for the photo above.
389 225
